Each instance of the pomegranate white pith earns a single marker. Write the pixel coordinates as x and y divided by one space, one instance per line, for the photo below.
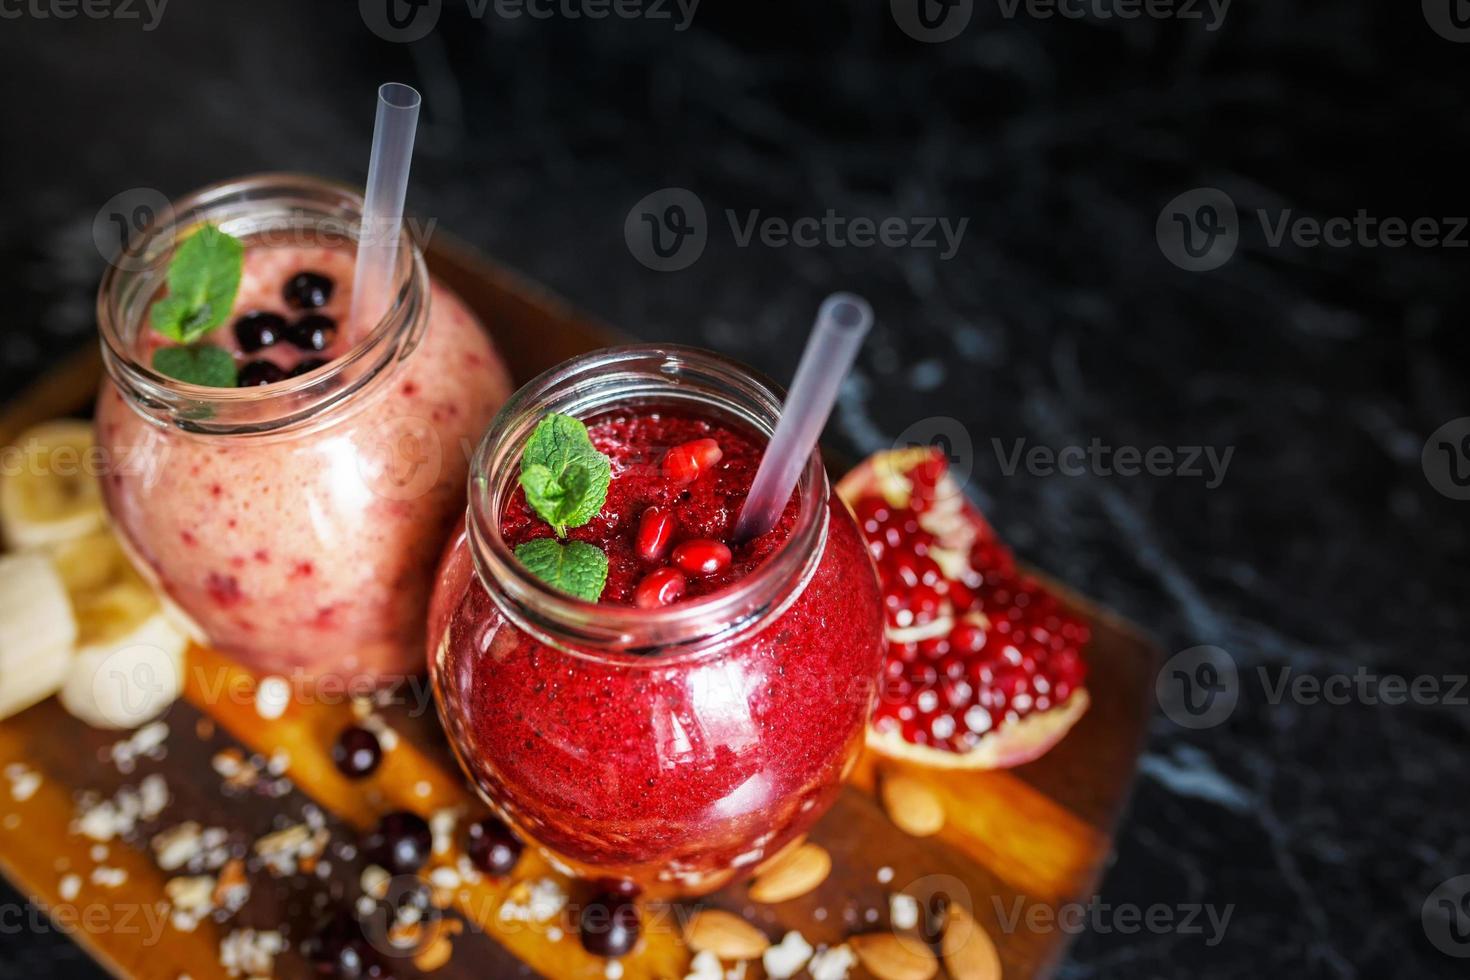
984 667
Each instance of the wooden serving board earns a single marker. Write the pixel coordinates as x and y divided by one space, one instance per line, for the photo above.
1039 835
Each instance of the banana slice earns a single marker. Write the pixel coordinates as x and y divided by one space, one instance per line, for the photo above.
129 664
37 631
49 491
90 563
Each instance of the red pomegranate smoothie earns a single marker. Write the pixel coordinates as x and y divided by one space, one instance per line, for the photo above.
681 771
281 548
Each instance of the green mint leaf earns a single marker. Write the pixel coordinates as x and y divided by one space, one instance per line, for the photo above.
212 367
563 474
576 568
203 278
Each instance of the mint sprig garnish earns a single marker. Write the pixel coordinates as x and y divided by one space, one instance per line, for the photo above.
213 367
563 474
203 278
566 481
577 568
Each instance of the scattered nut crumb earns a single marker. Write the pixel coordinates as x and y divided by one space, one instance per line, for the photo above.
70 887
885 875
271 697
536 901
246 952
109 877
786 958
903 911
833 963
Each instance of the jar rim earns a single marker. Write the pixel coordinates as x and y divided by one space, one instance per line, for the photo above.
135 276
627 635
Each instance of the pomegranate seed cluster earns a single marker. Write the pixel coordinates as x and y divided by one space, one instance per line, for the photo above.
678 483
973 651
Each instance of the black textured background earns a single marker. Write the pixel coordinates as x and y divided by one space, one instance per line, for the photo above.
1059 320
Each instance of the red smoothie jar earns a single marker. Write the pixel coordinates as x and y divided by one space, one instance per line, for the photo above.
676 747
295 525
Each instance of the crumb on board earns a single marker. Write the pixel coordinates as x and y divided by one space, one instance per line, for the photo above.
540 900
103 820
246 952
24 781
272 696
786 958
834 963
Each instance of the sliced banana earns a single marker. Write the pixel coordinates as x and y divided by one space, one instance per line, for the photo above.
48 488
37 631
90 563
129 664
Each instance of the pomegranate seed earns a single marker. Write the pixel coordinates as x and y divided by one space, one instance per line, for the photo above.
687 461
872 513
702 556
659 588
654 531
925 480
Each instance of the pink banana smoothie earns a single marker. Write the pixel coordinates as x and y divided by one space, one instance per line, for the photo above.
309 547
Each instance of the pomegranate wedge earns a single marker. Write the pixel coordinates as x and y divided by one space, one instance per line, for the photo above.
984 668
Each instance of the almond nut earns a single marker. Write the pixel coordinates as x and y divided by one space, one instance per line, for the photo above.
727 936
912 806
795 874
780 855
969 953
890 957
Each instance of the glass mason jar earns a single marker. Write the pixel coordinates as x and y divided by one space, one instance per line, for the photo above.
295 525
674 748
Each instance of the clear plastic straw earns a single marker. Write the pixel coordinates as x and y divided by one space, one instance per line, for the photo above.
842 322
382 212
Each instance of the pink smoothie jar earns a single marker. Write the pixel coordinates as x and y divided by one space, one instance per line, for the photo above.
295 525
673 748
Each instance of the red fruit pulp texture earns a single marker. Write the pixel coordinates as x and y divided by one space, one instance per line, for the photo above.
678 772
706 508
971 652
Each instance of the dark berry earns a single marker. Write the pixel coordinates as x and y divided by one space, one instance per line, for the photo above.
312 332
308 365
609 925
308 290
494 848
357 752
619 886
400 844
259 373
258 330
339 949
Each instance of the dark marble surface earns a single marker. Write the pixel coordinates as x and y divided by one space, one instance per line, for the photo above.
1323 549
